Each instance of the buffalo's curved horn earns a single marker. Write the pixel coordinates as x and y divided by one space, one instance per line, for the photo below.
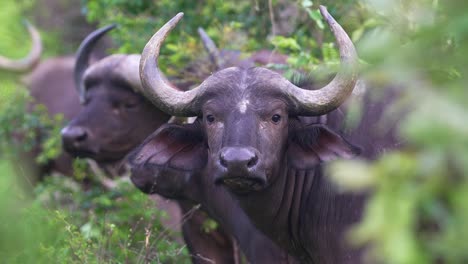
31 59
82 57
306 102
211 48
156 87
318 102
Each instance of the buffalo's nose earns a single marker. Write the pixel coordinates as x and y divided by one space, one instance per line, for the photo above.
74 134
238 158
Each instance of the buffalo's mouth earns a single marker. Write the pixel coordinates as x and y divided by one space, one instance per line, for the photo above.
81 153
94 153
242 184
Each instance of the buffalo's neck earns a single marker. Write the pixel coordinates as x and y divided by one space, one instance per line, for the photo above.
303 213
257 247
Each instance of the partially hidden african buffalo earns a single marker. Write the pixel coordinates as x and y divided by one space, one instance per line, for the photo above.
50 83
114 119
251 138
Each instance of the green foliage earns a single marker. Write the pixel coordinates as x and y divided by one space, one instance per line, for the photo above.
22 130
209 225
66 224
111 226
26 228
23 125
12 30
241 25
61 222
417 208
138 21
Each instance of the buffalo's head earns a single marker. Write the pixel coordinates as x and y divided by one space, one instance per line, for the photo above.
115 116
248 118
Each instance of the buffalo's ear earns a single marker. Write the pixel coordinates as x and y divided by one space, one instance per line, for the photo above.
313 144
167 160
173 146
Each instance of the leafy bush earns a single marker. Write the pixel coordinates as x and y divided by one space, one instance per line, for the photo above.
64 224
112 226
61 222
417 210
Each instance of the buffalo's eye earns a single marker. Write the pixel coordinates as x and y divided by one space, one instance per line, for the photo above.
130 105
276 118
115 105
210 118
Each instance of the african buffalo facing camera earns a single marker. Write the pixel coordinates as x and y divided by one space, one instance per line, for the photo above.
252 139
180 186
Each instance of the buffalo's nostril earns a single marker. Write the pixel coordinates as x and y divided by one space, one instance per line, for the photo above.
253 161
74 134
82 136
223 161
238 158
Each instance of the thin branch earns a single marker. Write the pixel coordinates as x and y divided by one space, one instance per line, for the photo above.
100 175
272 18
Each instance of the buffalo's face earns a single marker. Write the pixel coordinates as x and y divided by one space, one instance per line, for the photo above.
245 111
114 119
246 130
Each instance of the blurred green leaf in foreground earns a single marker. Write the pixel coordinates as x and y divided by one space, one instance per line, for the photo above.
418 207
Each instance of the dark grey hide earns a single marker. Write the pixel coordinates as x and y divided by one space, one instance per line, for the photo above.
164 164
115 117
249 140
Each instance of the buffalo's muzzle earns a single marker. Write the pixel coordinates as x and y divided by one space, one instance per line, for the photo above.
243 184
240 169
76 141
74 135
238 159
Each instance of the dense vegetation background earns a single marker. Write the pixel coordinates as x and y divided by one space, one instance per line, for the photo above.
418 209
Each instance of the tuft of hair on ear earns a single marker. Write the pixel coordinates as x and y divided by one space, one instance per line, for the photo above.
311 136
192 132
306 136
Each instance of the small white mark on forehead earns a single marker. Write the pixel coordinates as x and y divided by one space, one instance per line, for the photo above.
242 105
